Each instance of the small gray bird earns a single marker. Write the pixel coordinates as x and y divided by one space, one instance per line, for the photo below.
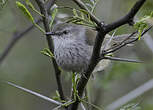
73 46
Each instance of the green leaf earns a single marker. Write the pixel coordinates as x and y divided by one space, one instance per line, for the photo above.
57 96
25 11
54 13
47 52
33 8
28 14
140 26
82 15
84 11
75 12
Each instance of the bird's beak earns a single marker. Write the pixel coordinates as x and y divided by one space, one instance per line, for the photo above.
50 33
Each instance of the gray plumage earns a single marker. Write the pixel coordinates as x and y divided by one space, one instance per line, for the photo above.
73 46
72 53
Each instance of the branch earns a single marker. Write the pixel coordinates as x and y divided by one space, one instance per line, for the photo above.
19 35
51 46
121 59
33 93
127 18
84 78
102 31
125 42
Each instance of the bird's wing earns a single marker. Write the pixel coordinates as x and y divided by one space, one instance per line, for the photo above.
90 36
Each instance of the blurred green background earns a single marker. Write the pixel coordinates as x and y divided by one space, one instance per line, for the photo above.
27 67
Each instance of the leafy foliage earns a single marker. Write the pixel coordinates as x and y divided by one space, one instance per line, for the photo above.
142 24
82 17
32 7
47 52
26 12
57 97
54 11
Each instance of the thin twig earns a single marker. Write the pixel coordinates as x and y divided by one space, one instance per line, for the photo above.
14 40
33 93
122 44
119 44
128 18
121 59
43 11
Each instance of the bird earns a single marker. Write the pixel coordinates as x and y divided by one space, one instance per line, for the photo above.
73 47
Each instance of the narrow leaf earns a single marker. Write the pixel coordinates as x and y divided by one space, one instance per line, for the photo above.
33 8
28 14
25 11
47 52
84 11
82 15
140 26
57 97
75 12
54 13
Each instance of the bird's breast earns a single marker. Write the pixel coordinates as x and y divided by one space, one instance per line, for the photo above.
72 56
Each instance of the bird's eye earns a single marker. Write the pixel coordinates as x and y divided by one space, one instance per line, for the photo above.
65 32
